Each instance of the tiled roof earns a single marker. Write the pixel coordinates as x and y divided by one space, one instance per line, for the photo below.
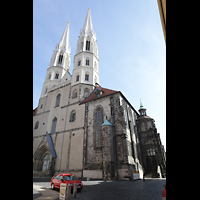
34 111
105 92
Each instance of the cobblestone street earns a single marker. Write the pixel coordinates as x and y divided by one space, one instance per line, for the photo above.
151 189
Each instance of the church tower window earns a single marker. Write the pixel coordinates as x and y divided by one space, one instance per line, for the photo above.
49 76
79 63
87 45
57 100
56 76
74 94
86 77
72 116
46 90
60 59
77 78
86 92
87 62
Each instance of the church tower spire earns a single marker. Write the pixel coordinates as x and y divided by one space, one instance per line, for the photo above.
59 64
88 22
61 55
142 110
86 61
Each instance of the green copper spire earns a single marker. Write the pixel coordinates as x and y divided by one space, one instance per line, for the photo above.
141 106
142 110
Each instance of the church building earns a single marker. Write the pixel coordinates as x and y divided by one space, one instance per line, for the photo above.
82 128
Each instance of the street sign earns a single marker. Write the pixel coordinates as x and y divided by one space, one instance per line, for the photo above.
136 175
62 191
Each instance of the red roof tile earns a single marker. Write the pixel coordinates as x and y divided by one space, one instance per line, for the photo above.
34 111
106 92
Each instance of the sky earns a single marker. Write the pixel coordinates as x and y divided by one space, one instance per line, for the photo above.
131 48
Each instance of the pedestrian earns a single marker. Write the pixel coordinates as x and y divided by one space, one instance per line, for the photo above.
144 177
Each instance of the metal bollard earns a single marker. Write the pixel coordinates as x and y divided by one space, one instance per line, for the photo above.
68 192
75 190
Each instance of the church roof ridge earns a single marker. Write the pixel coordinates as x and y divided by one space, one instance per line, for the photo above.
105 92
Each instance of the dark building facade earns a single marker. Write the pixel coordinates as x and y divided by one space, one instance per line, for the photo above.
153 156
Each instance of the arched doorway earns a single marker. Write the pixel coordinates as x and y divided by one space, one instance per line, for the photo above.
46 162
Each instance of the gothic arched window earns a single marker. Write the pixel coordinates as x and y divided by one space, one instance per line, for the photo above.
86 92
60 59
74 94
87 62
98 121
57 100
87 45
53 127
87 76
72 116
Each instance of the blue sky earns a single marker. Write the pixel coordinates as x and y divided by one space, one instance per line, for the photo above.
132 50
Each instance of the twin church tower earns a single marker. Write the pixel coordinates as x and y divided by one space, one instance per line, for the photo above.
82 128
86 61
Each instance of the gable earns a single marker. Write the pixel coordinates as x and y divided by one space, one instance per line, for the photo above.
97 93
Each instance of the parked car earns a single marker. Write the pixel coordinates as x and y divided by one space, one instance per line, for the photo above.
164 193
70 179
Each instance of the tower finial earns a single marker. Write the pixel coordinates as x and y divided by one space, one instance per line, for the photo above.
141 106
88 22
142 110
64 41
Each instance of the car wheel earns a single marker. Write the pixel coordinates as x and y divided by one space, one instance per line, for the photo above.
52 186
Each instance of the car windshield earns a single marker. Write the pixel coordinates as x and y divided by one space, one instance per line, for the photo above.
70 178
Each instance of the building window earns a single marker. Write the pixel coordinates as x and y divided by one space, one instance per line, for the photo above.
86 77
60 59
46 90
98 93
151 152
79 63
56 76
53 127
72 116
86 93
87 62
36 125
87 45
57 100
77 78
49 76
98 121
74 94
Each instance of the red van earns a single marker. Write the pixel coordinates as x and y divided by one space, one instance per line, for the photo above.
57 179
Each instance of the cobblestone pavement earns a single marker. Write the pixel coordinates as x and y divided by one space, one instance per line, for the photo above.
151 189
